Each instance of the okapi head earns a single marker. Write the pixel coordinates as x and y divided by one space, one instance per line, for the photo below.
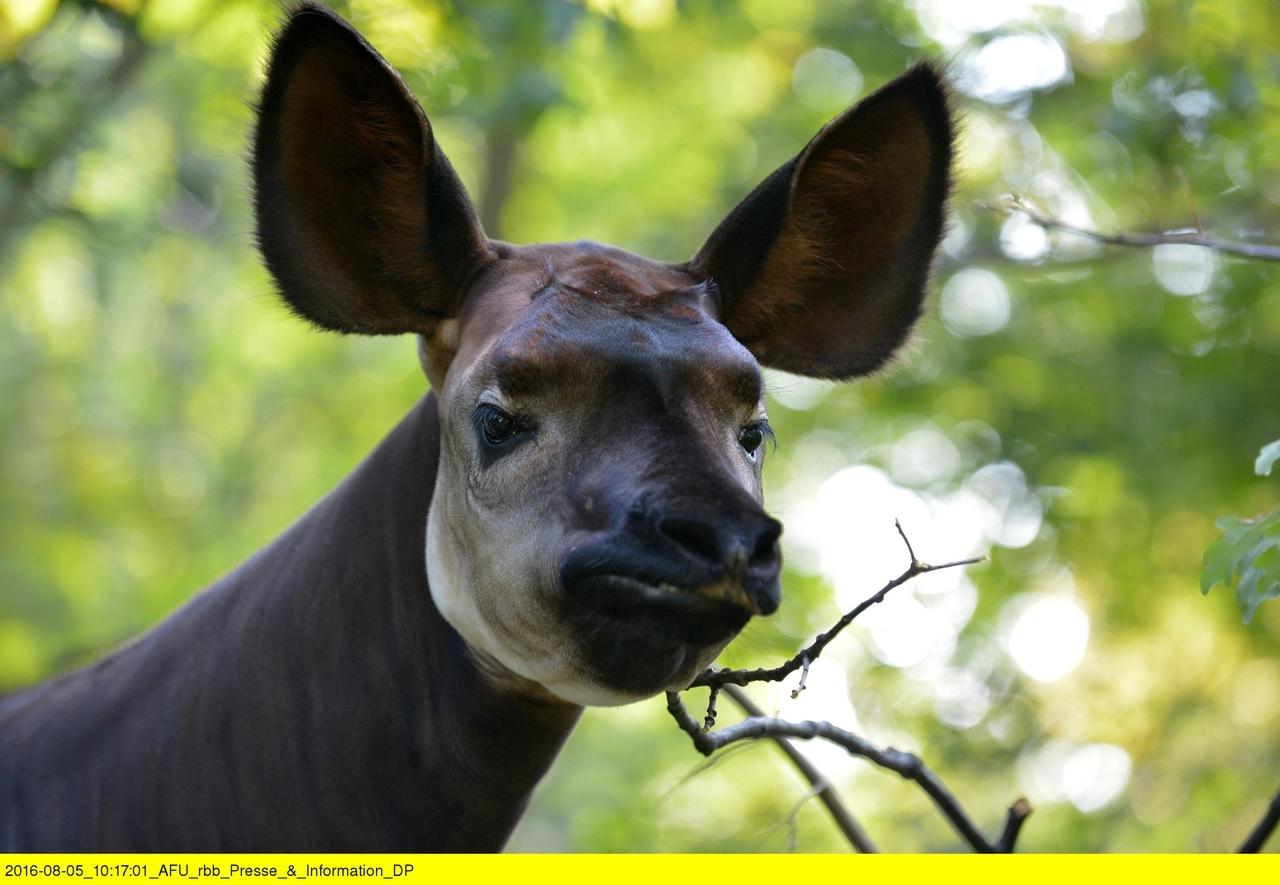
596 526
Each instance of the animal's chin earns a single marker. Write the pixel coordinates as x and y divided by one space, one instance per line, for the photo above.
639 639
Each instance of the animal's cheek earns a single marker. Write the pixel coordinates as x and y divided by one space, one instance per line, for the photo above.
493 580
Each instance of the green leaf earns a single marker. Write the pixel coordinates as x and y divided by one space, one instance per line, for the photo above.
1245 559
1269 455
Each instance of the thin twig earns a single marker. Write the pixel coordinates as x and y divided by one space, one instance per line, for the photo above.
711 677
844 821
709 721
1019 811
897 524
1015 204
804 677
1262 832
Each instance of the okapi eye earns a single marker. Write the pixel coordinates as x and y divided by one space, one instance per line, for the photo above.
495 426
752 437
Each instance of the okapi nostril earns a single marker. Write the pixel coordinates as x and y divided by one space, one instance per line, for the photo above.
765 551
694 536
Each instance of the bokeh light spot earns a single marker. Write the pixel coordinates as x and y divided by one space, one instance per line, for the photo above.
826 80
975 302
1048 636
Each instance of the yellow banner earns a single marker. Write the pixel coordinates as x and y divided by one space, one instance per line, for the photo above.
651 869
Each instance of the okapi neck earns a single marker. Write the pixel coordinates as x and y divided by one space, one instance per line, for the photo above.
312 700
475 747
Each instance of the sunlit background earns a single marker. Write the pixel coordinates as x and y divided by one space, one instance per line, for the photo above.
1077 414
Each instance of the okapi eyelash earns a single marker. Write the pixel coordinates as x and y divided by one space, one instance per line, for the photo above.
523 422
765 428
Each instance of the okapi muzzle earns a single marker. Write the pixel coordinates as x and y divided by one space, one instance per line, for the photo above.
662 574
572 515
667 587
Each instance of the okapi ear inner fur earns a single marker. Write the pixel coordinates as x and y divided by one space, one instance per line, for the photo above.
360 217
822 269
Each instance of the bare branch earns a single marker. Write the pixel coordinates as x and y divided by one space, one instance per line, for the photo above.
809 654
822 788
897 524
908 765
676 708
1262 832
1014 204
709 721
804 676
1019 811
758 725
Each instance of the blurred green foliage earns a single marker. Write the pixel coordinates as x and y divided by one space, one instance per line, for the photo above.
1083 415
1267 458
1246 558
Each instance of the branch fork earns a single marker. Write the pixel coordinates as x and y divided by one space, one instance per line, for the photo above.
757 725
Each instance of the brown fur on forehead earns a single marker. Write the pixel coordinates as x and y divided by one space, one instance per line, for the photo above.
563 313
502 293
609 274
568 338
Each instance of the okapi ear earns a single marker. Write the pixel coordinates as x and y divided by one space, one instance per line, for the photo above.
360 218
821 270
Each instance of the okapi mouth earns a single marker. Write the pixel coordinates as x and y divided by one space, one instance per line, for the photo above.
699 617
640 637
647 616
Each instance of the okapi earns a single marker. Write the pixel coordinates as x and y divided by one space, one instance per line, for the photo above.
571 515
